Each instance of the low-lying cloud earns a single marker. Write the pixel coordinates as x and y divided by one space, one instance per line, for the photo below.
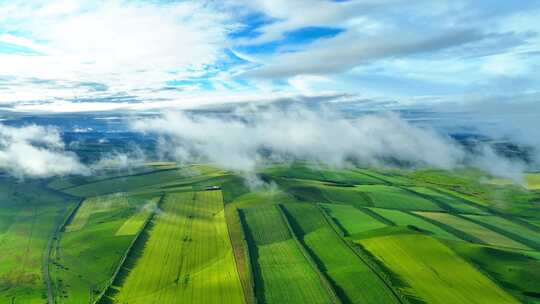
36 151
245 140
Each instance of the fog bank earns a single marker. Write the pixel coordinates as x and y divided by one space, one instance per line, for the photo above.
246 139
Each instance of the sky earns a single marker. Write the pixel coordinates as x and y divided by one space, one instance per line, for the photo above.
77 56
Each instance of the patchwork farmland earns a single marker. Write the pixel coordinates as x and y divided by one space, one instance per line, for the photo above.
197 234
188 257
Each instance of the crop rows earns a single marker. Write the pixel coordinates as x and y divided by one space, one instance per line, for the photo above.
187 258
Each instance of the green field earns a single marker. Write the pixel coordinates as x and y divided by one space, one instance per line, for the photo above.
483 234
304 234
533 181
518 273
339 262
346 195
519 231
29 215
134 223
350 219
454 203
188 257
89 250
149 181
282 272
401 218
322 174
396 198
95 205
432 272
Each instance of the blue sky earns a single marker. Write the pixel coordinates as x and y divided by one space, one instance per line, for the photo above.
71 56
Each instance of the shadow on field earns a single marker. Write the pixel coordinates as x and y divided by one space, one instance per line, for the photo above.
297 230
253 258
131 260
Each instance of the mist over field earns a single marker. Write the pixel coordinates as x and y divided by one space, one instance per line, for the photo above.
251 136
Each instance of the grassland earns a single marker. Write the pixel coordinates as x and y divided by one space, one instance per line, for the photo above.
146 180
483 234
29 214
401 218
395 198
471 186
432 272
187 258
350 219
339 262
299 171
453 203
533 181
282 273
135 223
518 273
516 231
432 235
96 205
89 250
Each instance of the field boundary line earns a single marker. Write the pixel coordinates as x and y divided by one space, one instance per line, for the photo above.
454 231
324 279
119 177
531 244
126 254
365 259
247 234
374 215
250 299
488 209
499 283
443 205
54 239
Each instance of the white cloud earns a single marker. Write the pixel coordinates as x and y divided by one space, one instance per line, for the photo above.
504 65
326 138
348 50
254 135
36 151
126 46
291 15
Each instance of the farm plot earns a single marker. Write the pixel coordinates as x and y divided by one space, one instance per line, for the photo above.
483 234
439 276
395 198
456 203
133 224
350 219
352 279
29 215
506 225
533 181
187 258
282 273
346 195
386 177
401 218
135 182
90 248
95 205
516 272
322 174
